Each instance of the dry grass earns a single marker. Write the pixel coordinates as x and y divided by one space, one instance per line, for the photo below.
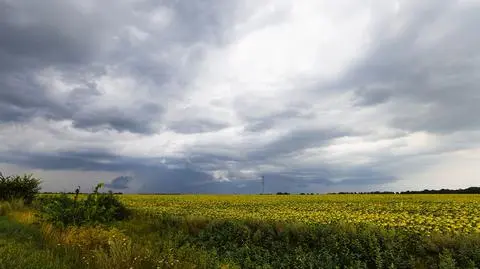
84 238
7 207
26 217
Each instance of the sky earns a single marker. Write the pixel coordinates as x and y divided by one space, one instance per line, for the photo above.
208 96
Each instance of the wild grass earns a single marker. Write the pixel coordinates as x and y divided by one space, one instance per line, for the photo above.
95 246
21 248
9 206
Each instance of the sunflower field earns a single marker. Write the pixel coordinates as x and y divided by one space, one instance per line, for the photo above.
425 214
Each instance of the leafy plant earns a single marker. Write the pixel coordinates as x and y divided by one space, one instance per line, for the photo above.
16 187
96 208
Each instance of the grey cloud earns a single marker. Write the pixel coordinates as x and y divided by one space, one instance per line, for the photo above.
79 44
269 122
20 102
181 43
51 32
422 85
138 120
196 126
297 140
166 180
293 183
36 36
22 98
373 96
191 181
149 175
119 183
426 74
84 160
204 21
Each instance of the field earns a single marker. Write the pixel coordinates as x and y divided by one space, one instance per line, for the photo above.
255 231
416 213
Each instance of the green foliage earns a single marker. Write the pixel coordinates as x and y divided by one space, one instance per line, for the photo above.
19 187
446 260
96 208
264 244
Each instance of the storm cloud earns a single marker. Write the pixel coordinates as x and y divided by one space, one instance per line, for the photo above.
207 97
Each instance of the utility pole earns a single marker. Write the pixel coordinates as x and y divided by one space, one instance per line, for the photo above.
263 184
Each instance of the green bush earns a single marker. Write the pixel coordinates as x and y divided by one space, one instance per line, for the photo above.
96 208
19 187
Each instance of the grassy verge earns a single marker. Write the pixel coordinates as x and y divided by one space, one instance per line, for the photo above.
22 247
26 243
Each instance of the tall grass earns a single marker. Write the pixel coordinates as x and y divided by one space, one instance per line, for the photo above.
21 248
96 246
9 206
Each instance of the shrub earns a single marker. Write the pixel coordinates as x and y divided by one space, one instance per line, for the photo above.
19 187
96 208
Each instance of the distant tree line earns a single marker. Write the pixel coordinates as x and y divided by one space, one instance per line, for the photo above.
470 190
367 192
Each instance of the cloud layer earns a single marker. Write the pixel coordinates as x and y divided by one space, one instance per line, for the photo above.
207 97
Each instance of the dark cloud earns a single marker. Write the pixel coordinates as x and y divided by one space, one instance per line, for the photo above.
137 120
78 44
119 183
86 160
35 37
182 176
190 181
22 98
171 180
296 141
48 33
